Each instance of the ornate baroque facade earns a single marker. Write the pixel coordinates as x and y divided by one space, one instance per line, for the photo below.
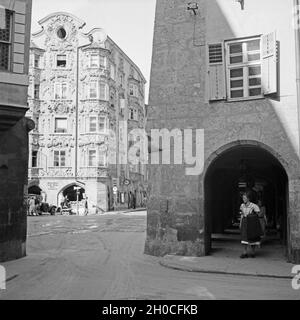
82 86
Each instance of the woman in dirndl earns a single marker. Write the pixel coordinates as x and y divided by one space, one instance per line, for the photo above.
250 226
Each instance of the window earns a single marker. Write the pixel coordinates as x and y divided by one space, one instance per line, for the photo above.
5 41
94 60
59 158
245 69
92 158
102 62
34 159
244 74
131 114
97 124
121 79
36 61
102 159
61 125
36 91
102 124
93 94
103 91
61 60
97 61
61 33
112 71
61 91
133 90
93 124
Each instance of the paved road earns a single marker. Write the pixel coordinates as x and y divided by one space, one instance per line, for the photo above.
101 257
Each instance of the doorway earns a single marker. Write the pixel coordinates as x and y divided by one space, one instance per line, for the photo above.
241 168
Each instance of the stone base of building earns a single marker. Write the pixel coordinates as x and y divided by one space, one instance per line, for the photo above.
159 248
294 256
12 250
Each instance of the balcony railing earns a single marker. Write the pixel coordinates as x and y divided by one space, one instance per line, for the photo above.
60 172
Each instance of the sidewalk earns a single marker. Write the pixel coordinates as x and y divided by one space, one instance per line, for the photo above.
124 211
269 262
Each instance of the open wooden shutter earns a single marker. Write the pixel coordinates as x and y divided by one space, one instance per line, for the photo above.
269 63
216 72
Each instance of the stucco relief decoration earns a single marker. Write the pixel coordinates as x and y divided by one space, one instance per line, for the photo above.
91 141
92 172
60 142
65 22
61 172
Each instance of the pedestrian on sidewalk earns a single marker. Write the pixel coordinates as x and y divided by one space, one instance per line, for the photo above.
250 226
32 206
86 209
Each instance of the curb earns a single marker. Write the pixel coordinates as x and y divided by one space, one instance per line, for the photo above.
190 269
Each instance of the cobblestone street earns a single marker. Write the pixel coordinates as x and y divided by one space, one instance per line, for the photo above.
101 257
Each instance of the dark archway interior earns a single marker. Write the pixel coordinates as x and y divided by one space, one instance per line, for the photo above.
234 171
34 190
71 193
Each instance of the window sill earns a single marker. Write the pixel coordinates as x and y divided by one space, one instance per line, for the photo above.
61 134
93 133
229 100
94 167
62 69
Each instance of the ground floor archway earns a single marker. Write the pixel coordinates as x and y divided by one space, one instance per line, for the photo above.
235 169
36 190
72 197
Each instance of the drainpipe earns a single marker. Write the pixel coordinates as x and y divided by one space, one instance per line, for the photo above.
77 110
297 52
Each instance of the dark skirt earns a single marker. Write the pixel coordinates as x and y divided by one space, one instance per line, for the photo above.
251 230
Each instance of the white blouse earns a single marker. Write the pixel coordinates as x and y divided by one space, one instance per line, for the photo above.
247 209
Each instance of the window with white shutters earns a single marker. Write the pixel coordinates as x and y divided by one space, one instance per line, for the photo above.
244 74
216 72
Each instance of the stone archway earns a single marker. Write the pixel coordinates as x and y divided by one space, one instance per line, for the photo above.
236 166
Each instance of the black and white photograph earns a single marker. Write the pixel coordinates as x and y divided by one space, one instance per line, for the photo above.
149 151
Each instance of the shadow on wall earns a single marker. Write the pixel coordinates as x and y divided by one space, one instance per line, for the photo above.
176 102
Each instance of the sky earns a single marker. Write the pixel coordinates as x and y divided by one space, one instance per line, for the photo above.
129 23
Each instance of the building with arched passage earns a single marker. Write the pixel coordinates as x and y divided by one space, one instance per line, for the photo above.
230 72
84 94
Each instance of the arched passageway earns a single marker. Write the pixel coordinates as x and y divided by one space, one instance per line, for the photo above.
237 169
34 190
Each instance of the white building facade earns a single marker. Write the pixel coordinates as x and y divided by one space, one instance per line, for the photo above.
82 87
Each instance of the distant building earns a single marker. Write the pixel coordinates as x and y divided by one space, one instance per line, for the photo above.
15 22
82 85
229 68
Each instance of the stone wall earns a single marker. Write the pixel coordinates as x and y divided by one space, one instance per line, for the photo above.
178 100
13 190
